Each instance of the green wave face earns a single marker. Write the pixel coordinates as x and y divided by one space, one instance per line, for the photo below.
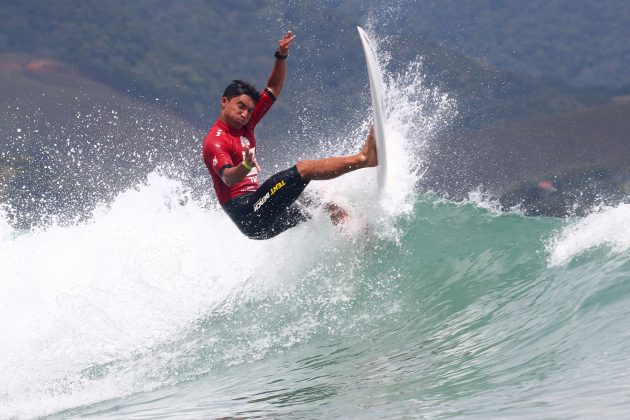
464 315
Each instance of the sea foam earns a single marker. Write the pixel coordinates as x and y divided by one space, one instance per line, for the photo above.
610 227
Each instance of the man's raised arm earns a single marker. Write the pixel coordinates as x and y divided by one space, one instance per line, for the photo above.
279 70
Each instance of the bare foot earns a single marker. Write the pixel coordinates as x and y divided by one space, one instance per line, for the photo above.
337 214
369 150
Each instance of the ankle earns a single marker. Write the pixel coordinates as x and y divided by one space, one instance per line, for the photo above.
361 159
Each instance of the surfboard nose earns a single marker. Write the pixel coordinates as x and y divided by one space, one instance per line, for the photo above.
376 90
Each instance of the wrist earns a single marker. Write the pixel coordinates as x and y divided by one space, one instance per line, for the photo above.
280 56
247 165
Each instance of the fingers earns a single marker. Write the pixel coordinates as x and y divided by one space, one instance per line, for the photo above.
249 153
285 43
250 157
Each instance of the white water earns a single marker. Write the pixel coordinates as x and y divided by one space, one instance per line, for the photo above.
95 292
82 307
609 227
135 276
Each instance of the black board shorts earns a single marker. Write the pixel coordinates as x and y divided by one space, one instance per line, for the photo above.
272 208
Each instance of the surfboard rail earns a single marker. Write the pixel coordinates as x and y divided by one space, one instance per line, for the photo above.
378 107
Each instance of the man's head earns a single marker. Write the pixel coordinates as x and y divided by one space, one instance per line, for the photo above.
238 103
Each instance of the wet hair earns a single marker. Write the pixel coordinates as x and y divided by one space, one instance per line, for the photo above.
239 87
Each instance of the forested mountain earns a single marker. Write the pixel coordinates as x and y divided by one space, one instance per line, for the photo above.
67 142
582 42
96 94
182 54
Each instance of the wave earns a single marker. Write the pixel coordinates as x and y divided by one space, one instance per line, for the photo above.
93 309
609 227
147 295
424 305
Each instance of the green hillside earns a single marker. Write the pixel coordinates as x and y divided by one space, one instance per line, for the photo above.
67 142
581 42
182 54
501 156
98 94
177 52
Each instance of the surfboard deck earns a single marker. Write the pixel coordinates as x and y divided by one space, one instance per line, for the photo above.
376 90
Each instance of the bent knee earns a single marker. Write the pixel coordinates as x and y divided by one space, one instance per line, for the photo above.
303 167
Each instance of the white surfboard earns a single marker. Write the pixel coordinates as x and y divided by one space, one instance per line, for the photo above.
376 88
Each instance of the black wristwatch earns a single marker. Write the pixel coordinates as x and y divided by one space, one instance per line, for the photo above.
280 56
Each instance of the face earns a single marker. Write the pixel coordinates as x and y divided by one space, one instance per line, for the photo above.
237 111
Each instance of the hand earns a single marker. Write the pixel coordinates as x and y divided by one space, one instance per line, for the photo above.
285 43
250 158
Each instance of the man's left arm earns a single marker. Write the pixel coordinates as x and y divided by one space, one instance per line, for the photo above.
279 70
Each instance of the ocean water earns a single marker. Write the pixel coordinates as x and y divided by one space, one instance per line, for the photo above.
157 307
463 312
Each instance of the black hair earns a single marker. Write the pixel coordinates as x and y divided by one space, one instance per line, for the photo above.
239 87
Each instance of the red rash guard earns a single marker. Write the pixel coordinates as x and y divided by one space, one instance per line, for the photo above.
223 147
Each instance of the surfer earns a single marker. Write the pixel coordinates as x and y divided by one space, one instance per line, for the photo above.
229 152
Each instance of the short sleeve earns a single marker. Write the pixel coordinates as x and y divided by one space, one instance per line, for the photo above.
264 104
218 155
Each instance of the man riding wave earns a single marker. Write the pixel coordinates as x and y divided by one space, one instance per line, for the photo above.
229 152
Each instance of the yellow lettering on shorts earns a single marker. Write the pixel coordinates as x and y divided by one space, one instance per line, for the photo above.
277 187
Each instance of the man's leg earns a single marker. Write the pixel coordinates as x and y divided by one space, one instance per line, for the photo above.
271 209
332 167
